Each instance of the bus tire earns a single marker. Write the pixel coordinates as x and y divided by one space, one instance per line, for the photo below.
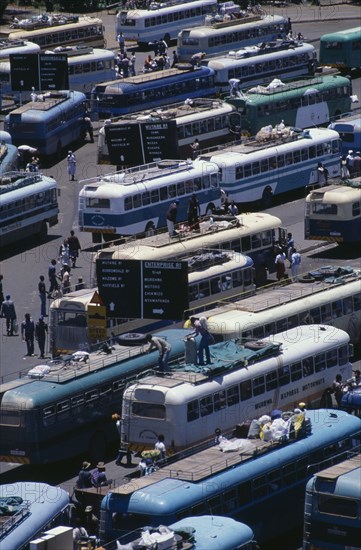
267 197
43 233
97 447
150 228
131 339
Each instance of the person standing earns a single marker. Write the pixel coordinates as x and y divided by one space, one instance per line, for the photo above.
280 265
163 347
64 256
349 161
121 42
175 59
172 217
295 263
201 328
133 59
357 164
79 533
88 128
54 286
160 446
289 246
337 387
42 295
74 247
195 148
345 173
71 160
41 330
65 280
194 212
27 333
322 175
8 311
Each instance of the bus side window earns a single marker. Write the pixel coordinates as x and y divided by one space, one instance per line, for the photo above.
331 358
307 366
193 410
232 396
357 302
271 380
246 390
296 371
206 405
343 355
283 376
320 362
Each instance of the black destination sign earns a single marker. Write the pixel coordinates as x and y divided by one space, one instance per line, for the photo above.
39 71
143 289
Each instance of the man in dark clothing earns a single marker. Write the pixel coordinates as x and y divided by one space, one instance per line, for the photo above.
27 333
84 480
74 247
52 278
41 329
42 295
8 311
172 217
194 212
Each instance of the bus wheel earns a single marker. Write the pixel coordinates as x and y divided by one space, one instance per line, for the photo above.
167 38
150 228
131 339
43 233
97 447
267 197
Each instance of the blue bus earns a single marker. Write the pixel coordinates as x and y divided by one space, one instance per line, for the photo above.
247 485
341 49
206 532
49 124
349 129
28 205
73 403
27 509
149 90
332 515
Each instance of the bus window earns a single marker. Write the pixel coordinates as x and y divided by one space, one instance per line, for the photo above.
206 405
145 198
326 314
283 376
232 396
154 194
219 400
148 410
347 305
307 366
343 355
192 410
236 279
246 390
271 381
320 362
258 385
331 358
180 189
296 371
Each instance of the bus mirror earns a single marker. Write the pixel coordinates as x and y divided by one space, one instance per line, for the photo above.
350 350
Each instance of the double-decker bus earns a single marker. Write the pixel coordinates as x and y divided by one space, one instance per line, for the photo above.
332 513
341 49
220 38
28 205
275 162
302 103
331 297
150 90
51 30
49 124
137 199
245 379
161 21
208 120
333 213
211 274
247 485
290 61
28 508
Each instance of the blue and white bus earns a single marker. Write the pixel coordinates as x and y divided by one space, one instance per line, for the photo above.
27 510
221 38
137 200
253 68
49 124
275 162
332 515
149 90
247 485
9 47
349 129
28 205
161 21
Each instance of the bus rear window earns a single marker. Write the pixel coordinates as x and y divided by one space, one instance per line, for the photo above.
337 506
9 418
148 410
